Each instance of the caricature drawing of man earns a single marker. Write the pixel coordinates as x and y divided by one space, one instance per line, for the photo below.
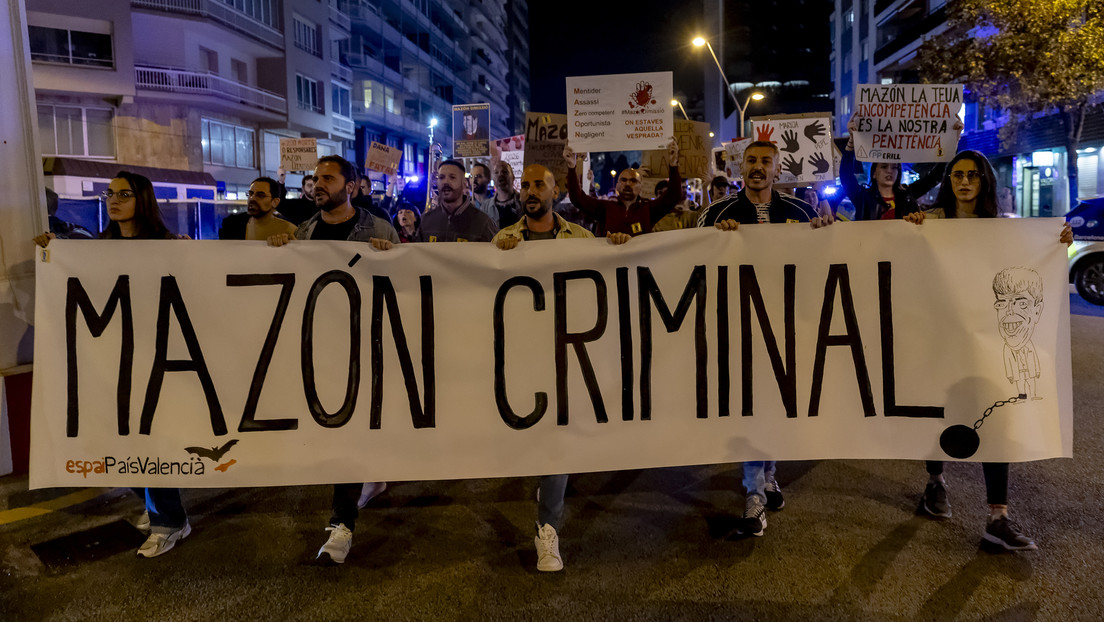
1019 304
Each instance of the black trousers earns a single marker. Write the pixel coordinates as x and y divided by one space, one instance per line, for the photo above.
345 497
996 480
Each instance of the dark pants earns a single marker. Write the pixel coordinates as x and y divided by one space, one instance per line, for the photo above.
164 506
996 480
345 497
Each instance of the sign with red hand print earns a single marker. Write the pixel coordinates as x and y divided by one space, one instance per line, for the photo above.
620 112
805 150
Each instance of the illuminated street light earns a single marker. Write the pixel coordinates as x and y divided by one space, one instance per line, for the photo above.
433 122
675 102
756 96
711 134
698 42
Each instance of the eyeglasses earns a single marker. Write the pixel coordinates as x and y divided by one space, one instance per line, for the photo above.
260 195
970 176
122 194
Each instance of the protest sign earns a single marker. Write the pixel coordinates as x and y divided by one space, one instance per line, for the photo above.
804 143
545 139
221 363
383 158
471 127
620 112
298 154
512 151
907 122
694 152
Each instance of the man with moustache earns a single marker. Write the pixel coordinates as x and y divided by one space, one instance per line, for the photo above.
457 219
629 213
504 207
758 202
538 194
338 219
259 222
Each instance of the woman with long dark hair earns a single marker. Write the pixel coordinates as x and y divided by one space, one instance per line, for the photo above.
134 215
969 190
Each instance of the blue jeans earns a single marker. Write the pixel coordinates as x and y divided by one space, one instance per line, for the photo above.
550 506
164 506
755 477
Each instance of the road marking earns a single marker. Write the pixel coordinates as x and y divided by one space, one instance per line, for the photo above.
45 507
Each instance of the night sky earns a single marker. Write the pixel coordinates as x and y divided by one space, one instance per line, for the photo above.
582 38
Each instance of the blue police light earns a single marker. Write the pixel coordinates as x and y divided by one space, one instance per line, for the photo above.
830 191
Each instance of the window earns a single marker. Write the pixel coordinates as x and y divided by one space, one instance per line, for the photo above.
408 159
227 145
306 91
306 36
263 11
71 47
367 87
340 104
240 70
845 105
208 60
72 130
389 100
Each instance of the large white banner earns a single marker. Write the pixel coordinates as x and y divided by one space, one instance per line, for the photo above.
620 112
193 364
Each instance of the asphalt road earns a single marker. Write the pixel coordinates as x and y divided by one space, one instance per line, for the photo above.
648 545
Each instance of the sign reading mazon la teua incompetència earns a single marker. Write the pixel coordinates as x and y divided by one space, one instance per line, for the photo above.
194 363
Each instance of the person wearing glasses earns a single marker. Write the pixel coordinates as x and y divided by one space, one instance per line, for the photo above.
969 190
259 221
134 215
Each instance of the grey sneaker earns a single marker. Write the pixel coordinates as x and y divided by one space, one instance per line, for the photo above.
775 501
755 517
337 546
143 523
548 549
934 501
1004 533
369 491
162 540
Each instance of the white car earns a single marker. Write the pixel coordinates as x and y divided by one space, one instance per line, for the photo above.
1086 263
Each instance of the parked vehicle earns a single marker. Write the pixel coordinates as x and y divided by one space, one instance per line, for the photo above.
1086 255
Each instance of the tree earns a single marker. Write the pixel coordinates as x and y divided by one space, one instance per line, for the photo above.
1025 57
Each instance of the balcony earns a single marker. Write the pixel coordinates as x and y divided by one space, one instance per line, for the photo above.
172 80
345 127
341 72
219 12
339 18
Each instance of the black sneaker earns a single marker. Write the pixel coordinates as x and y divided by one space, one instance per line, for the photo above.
775 501
934 501
755 518
1003 532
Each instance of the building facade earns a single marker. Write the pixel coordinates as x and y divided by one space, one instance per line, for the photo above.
876 42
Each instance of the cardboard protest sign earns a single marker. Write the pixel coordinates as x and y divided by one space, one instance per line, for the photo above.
804 144
298 154
446 361
471 127
383 158
545 139
620 112
907 122
512 151
694 152
733 155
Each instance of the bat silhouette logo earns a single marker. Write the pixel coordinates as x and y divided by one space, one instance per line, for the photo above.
214 454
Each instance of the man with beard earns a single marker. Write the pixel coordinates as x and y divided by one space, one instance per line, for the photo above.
338 219
457 219
629 213
480 182
538 193
504 207
758 202
259 222
296 211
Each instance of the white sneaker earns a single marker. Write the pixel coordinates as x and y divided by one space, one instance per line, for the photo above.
143 523
160 541
369 491
755 517
548 549
337 547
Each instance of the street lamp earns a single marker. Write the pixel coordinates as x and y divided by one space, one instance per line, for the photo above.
698 42
675 102
756 96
